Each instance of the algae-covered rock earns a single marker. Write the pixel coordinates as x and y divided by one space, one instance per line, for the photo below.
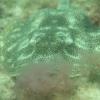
88 92
45 81
6 87
91 7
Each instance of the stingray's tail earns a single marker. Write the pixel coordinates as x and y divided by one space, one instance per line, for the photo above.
64 4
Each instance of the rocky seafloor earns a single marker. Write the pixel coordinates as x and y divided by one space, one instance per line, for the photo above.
49 53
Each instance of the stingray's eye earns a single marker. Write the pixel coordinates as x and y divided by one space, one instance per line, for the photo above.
54 21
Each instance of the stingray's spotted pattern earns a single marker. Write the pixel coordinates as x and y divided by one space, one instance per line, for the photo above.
50 32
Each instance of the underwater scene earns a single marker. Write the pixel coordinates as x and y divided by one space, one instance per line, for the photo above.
49 49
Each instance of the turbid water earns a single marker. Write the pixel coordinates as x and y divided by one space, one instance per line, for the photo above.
51 50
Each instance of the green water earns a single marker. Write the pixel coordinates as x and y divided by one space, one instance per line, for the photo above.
49 50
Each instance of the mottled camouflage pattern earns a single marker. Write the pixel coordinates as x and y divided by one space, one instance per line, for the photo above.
48 32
